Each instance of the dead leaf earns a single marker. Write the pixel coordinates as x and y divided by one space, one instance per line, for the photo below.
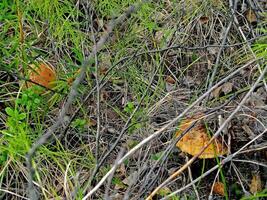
213 50
117 196
128 180
225 88
203 19
91 122
197 138
170 80
255 185
216 93
104 95
123 169
43 74
103 70
209 64
248 131
218 188
158 36
251 16
104 63
256 100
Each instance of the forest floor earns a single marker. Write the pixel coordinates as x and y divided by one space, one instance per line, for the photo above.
94 97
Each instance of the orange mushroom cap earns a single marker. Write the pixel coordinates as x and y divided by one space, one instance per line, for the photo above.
43 74
195 139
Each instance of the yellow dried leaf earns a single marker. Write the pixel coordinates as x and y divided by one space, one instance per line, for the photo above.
255 185
218 188
196 139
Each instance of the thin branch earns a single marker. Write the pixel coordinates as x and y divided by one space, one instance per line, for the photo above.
168 150
14 194
220 52
211 191
251 161
103 83
247 42
97 98
180 46
191 179
135 55
107 197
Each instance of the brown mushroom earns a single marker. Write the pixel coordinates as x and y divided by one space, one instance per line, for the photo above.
195 139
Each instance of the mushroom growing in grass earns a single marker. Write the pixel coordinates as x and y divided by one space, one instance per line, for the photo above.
196 138
42 74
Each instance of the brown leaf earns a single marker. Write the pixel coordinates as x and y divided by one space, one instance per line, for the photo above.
251 16
170 80
103 70
216 93
209 64
104 95
255 185
197 138
248 131
218 188
158 36
225 88
91 122
203 19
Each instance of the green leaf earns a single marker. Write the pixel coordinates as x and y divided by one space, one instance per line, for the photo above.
9 111
21 116
157 156
130 105
37 101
